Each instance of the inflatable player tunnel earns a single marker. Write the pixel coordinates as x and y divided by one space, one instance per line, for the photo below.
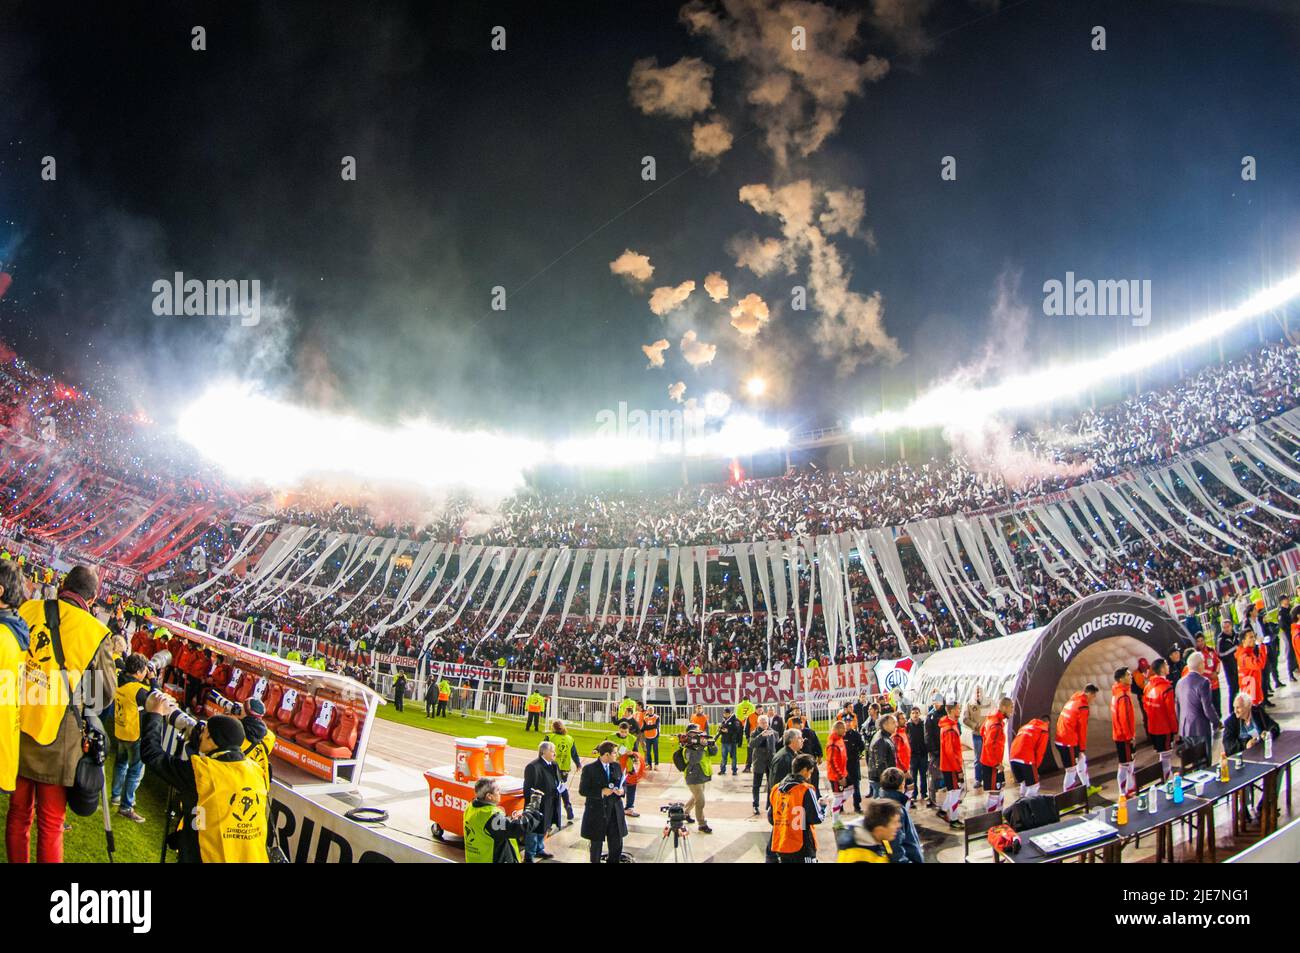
1040 669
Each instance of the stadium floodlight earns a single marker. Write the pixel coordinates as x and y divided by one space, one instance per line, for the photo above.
739 436
965 407
256 437
755 386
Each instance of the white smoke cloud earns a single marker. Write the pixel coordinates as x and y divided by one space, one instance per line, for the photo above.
798 95
901 21
680 90
632 265
749 315
655 352
696 352
845 209
716 286
990 447
668 298
850 327
675 391
710 139
762 256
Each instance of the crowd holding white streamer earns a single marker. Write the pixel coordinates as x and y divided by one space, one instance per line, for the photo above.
850 589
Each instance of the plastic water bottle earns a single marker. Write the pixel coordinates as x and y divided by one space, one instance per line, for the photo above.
1178 789
1268 746
1153 803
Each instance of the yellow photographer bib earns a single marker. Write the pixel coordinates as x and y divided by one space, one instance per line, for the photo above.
230 816
45 699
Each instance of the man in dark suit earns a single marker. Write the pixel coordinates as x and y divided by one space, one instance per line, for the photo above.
542 775
601 785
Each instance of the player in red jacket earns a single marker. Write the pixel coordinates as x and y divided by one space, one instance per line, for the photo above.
837 765
988 771
1072 737
1027 750
1162 716
950 764
1123 729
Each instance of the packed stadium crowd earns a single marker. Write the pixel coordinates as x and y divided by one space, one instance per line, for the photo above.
184 541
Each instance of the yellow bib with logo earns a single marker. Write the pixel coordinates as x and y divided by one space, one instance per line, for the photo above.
45 700
126 711
12 661
230 815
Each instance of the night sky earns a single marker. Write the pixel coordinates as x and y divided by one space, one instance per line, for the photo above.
478 168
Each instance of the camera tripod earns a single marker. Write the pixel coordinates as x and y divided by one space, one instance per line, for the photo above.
681 845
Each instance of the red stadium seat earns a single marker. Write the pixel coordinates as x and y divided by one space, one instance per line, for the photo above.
327 716
302 720
274 691
289 702
246 687
343 739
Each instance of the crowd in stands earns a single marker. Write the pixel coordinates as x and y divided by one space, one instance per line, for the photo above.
1151 428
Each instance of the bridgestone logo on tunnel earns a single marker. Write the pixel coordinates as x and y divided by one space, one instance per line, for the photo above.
1126 619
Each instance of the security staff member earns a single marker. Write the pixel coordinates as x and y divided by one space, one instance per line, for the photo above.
535 705
14 638
223 798
490 836
794 810
566 759
444 695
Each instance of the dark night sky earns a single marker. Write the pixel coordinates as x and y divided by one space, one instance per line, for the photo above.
478 168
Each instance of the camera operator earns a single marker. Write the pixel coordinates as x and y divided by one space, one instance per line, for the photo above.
133 687
223 797
698 751
490 836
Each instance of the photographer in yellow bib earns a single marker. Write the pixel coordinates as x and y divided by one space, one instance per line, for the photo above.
14 639
69 652
223 794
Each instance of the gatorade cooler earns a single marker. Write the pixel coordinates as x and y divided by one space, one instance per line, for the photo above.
494 765
449 797
469 758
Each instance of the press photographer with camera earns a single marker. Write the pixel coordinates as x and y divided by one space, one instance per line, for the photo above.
69 674
490 836
14 639
133 687
223 796
696 762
